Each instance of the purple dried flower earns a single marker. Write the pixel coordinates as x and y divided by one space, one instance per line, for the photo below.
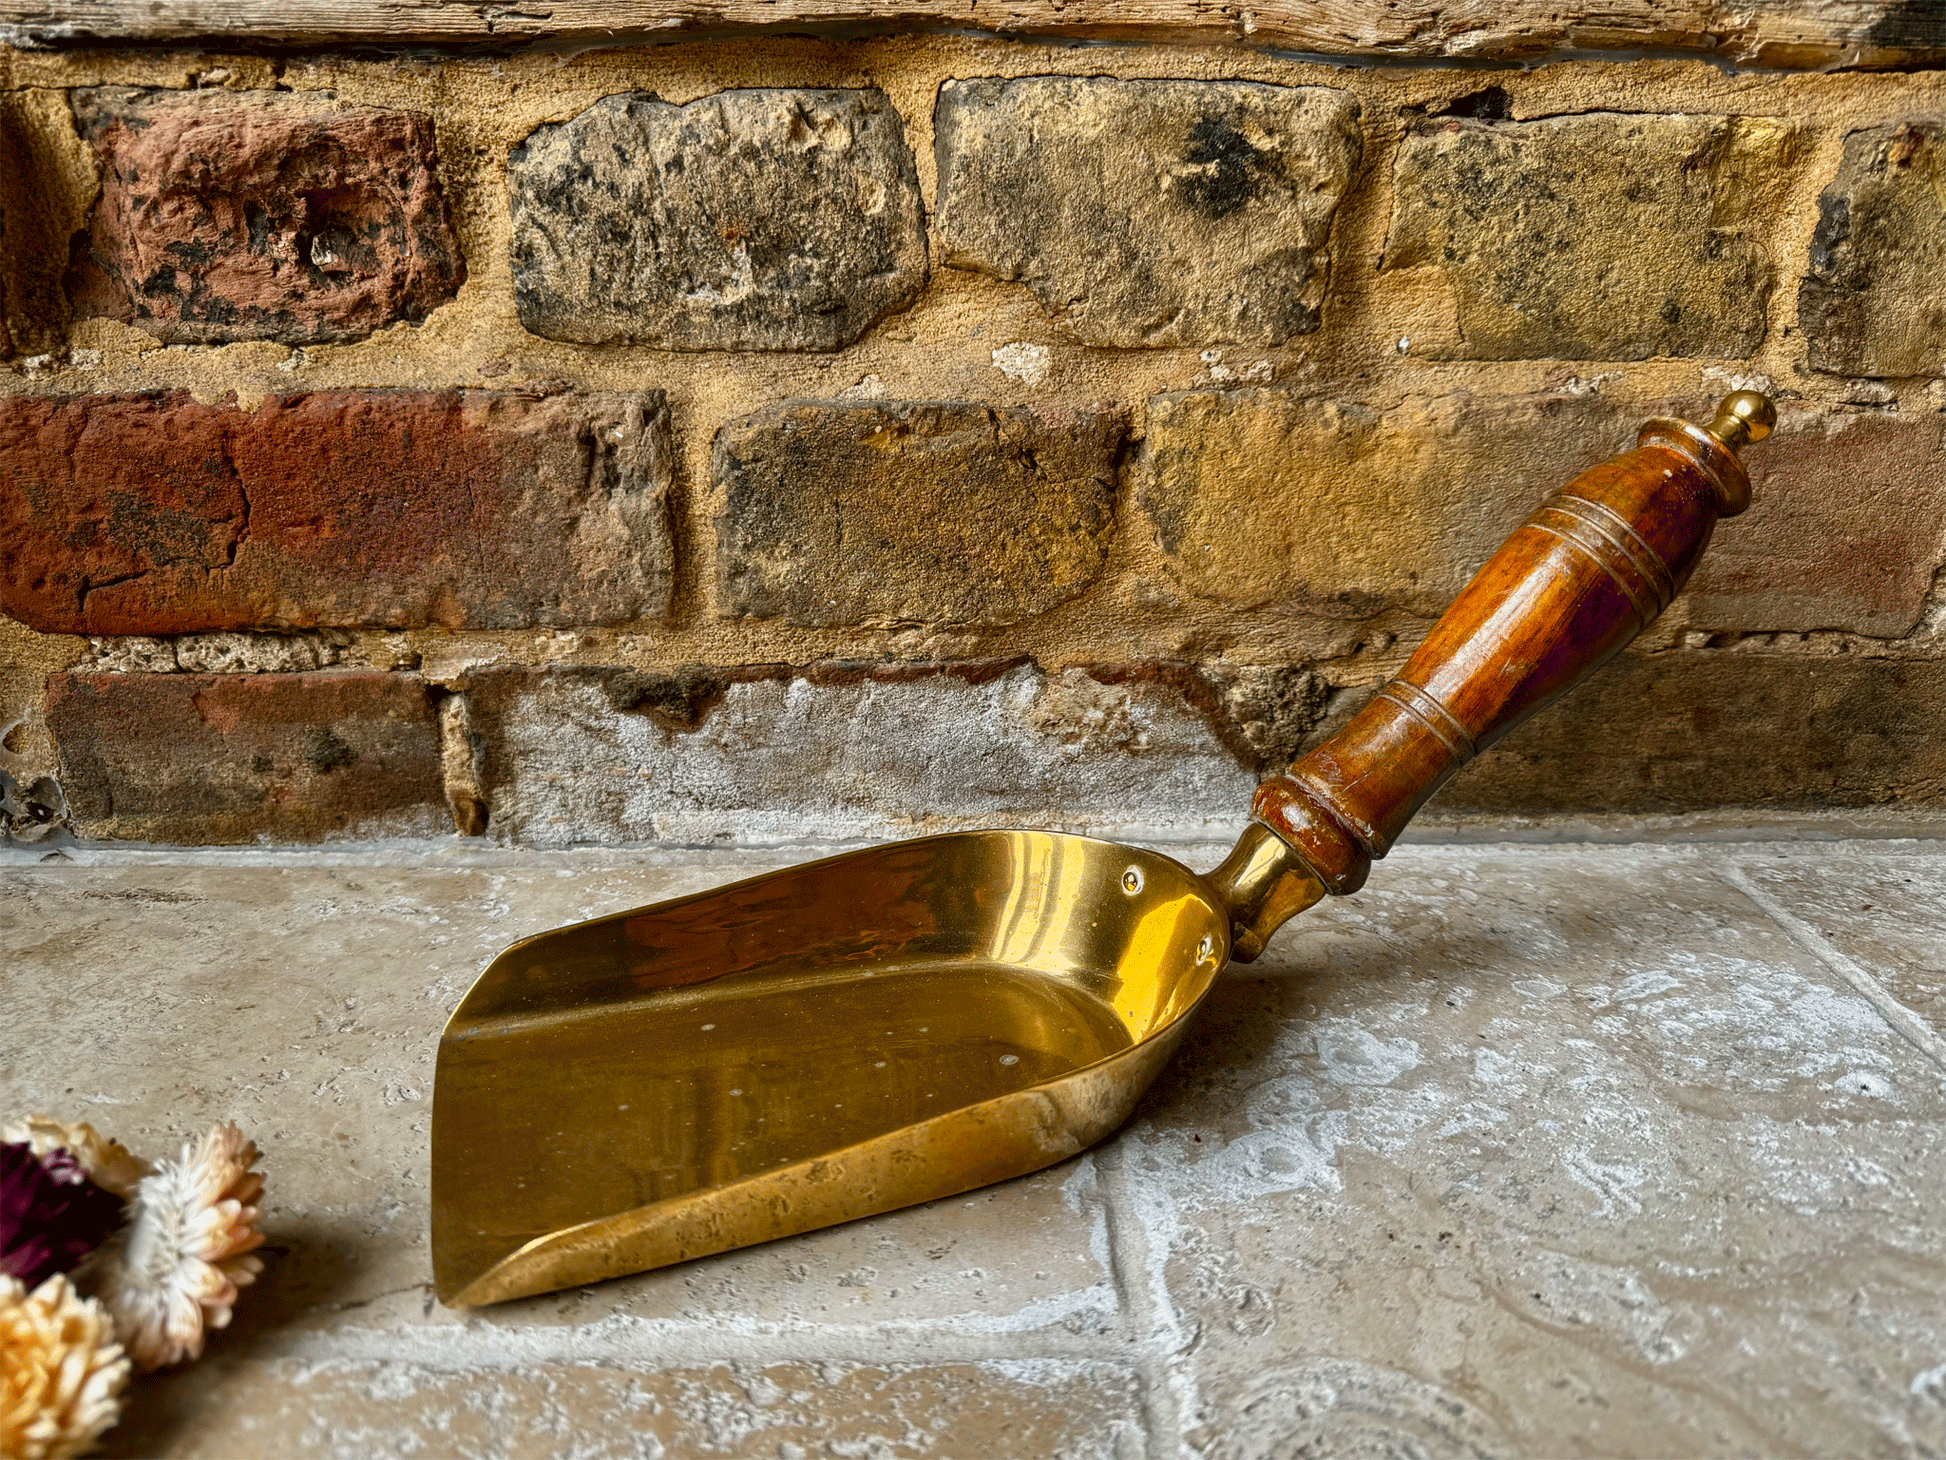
64 1166
47 1224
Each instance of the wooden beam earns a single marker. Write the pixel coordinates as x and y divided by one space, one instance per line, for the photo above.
1791 34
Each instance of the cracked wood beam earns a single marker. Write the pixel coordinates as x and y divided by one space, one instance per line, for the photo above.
1791 34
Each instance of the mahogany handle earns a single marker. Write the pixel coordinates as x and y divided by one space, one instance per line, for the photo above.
1575 583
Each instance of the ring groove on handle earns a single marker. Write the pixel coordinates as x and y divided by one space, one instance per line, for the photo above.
1628 561
1428 711
1622 533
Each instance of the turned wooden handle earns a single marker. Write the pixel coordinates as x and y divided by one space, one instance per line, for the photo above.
1577 581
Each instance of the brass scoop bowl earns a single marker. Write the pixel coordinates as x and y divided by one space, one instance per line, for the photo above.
902 1023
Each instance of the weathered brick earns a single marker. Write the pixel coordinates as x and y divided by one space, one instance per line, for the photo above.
33 811
1266 710
586 755
226 758
1846 528
1691 731
31 804
1149 212
911 513
1260 499
267 217
1872 302
1601 236
154 514
770 219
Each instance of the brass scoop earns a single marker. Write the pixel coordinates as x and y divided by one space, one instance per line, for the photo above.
902 1023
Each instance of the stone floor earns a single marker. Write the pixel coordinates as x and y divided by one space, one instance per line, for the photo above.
1526 1150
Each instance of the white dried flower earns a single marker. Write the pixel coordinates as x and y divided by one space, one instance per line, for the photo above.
175 1270
61 1371
109 1164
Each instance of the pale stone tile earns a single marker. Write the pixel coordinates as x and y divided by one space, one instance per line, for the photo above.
1552 1151
1886 912
357 1409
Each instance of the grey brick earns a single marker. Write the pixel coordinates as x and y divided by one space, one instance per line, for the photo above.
585 754
1604 236
1872 303
1149 212
768 219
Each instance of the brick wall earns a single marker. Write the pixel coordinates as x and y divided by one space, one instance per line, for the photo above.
793 436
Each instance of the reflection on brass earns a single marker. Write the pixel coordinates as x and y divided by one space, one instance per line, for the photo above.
842 1038
1744 417
1264 884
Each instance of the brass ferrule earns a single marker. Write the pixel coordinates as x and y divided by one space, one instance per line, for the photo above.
1263 884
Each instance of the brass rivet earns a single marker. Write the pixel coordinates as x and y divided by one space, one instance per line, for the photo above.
1132 881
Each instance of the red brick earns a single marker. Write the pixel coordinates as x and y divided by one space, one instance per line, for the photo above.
1843 530
155 514
271 217
223 758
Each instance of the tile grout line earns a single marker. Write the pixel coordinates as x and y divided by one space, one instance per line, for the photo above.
469 1346
447 854
1903 1020
1128 1259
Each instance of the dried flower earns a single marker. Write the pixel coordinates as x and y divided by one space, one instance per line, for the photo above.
49 1219
175 1270
108 1164
61 1371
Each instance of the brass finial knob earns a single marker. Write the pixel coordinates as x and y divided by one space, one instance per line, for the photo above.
1745 416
